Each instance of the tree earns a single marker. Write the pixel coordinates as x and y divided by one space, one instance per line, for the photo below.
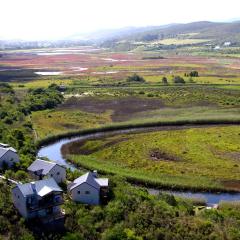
178 79
135 78
164 81
194 74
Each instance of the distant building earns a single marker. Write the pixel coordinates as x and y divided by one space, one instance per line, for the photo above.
8 155
40 169
89 189
227 44
40 199
217 47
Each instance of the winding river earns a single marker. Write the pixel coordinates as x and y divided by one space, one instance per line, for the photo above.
53 152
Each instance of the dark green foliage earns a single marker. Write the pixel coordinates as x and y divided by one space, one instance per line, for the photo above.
194 74
178 80
6 88
40 99
164 81
135 78
149 37
133 214
15 129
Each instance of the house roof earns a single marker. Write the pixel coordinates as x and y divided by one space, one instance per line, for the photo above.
4 145
40 188
41 165
4 150
90 179
103 182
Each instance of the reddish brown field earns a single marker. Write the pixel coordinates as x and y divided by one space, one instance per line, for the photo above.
92 62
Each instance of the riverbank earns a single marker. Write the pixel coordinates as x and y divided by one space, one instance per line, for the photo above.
54 152
127 126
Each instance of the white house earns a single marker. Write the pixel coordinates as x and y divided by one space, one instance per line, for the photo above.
89 189
227 44
8 155
40 199
40 169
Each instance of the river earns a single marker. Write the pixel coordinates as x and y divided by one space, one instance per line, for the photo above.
53 152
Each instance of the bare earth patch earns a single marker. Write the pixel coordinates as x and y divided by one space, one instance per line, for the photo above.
122 108
159 155
78 147
232 185
233 155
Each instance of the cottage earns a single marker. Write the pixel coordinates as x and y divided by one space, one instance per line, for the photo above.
40 199
40 169
8 155
89 189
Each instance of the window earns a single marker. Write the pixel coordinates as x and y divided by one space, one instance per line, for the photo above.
18 197
87 192
58 173
79 192
51 175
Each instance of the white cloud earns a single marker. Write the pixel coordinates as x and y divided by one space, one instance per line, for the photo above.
45 19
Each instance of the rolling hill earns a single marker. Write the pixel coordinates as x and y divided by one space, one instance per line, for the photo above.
216 32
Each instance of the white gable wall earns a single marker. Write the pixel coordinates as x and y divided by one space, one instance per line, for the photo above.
79 194
58 173
10 158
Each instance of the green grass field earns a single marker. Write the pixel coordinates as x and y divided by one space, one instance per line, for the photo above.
182 41
52 122
97 107
197 158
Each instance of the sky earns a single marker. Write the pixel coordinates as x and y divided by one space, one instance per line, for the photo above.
56 19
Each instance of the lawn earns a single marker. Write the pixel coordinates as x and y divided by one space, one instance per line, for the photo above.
197 158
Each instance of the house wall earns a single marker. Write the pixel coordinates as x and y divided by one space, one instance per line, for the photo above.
91 198
61 177
19 202
10 158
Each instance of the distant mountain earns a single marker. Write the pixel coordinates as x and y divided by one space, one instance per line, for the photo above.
106 34
214 31
129 37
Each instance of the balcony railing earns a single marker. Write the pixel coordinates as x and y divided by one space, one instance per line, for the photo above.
45 204
53 217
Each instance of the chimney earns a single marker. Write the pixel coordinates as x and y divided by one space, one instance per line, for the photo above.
33 187
95 173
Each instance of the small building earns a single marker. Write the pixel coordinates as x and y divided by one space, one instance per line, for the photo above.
227 44
40 199
8 155
40 169
89 189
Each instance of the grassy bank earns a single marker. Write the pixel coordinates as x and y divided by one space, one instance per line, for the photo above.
118 126
168 174
194 158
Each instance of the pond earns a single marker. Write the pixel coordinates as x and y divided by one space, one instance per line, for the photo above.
48 73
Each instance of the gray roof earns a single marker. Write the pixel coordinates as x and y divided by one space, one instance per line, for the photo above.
40 188
4 145
41 165
90 179
4 150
